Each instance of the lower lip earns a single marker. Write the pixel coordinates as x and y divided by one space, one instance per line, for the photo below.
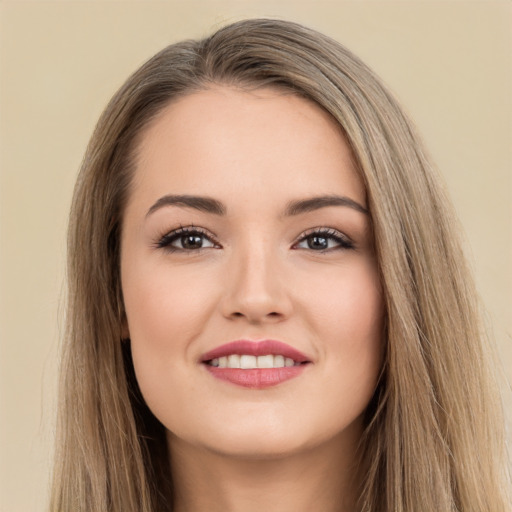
257 378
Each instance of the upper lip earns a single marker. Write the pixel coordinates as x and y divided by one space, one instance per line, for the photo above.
255 348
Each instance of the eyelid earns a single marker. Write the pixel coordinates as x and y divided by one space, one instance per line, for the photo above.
164 241
344 241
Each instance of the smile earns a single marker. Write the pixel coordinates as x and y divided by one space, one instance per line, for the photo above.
255 365
248 362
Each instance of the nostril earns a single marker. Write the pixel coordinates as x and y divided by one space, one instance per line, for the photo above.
273 314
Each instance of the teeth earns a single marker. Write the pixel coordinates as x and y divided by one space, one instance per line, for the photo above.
265 361
247 362
233 361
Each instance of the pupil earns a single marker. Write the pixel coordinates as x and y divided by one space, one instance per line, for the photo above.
192 242
318 242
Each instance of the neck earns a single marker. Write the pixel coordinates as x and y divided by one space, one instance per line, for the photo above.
322 478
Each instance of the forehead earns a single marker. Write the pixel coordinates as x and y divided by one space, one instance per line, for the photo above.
227 141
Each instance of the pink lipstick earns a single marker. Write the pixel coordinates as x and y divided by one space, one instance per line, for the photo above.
255 364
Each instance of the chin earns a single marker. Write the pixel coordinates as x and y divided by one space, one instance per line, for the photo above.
275 438
259 447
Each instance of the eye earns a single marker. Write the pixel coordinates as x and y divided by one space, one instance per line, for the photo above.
185 239
324 239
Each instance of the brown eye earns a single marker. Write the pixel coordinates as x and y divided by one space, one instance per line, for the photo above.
318 242
324 240
185 239
191 241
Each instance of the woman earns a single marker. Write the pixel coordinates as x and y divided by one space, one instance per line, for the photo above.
268 302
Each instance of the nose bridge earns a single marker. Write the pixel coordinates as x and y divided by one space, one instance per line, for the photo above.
255 287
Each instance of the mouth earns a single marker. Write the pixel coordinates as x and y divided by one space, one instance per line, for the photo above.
250 362
255 364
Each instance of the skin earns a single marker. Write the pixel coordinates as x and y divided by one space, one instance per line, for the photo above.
290 446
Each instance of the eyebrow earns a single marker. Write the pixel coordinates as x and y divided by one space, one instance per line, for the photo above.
201 203
210 205
315 203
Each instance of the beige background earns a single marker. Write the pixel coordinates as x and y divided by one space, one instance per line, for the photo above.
448 61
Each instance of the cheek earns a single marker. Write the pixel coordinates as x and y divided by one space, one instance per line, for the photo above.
163 302
349 320
348 303
165 315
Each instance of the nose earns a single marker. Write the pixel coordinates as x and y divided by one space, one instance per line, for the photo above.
255 289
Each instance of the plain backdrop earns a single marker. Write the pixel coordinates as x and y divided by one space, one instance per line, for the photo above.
449 62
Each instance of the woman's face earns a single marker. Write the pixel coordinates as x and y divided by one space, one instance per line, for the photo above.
247 223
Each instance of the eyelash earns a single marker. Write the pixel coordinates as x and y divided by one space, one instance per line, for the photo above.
329 233
166 240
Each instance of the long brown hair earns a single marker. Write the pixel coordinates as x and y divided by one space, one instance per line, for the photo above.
434 436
